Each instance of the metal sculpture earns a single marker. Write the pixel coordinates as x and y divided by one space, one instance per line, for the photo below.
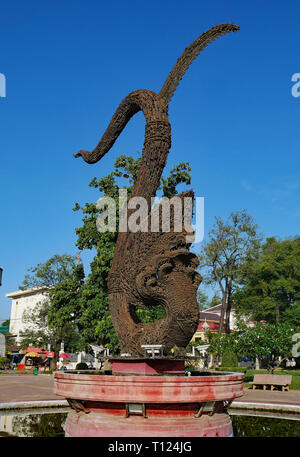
154 268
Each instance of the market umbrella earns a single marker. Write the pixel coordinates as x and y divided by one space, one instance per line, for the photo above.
63 355
49 354
32 354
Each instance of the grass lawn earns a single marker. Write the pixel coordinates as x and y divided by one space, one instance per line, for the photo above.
295 385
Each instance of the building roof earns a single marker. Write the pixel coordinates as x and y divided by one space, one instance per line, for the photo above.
13 348
21 293
213 327
216 308
210 317
34 349
4 328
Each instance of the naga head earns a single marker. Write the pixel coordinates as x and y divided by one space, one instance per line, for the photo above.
157 269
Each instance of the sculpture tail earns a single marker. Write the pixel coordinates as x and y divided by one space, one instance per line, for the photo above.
190 54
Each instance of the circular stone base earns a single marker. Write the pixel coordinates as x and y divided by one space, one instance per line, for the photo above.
104 425
143 406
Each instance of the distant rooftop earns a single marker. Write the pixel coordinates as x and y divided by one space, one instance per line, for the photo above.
32 291
35 349
211 317
215 309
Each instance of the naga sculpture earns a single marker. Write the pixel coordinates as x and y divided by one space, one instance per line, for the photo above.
154 268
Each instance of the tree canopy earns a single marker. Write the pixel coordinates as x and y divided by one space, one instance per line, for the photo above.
54 319
230 246
262 341
271 288
56 269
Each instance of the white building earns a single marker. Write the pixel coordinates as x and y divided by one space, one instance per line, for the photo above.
217 310
24 300
232 318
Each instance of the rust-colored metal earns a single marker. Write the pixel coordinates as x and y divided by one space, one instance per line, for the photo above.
77 405
154 268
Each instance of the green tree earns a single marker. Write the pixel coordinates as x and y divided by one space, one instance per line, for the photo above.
3 362
219 343
56 269
65 305
64 298
178 175
229 359
5 323
54 319
9 338
202 299
223 257
271 289
95 322
215 300
206 302
37 332
264 341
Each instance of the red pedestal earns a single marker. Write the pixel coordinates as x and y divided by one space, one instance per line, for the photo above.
148 366
152 406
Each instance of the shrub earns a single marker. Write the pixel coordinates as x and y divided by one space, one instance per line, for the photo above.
81 366
234 369
229 359
190 366
3 361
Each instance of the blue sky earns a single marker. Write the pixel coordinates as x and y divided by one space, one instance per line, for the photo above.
68 65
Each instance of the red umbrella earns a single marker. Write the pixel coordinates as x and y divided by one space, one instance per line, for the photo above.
49 354
63 355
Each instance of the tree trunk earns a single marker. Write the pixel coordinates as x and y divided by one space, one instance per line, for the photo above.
53 362
228 310
277 314
256 363
223 310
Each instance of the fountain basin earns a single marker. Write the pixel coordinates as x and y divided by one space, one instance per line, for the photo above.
158 405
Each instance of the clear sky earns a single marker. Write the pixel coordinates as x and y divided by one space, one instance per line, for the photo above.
69 63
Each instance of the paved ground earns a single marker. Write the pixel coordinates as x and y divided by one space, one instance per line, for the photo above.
19 388
290 397
14 388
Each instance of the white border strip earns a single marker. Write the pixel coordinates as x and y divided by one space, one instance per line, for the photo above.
265 406
33 404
